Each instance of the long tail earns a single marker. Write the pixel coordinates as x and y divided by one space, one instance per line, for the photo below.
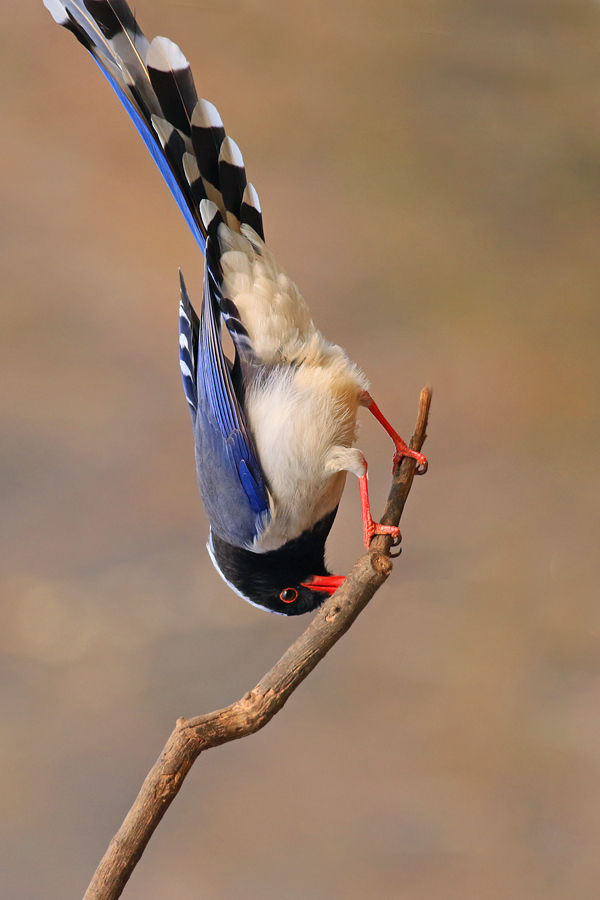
185 135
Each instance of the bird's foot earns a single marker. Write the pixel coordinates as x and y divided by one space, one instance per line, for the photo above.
371 528
403 450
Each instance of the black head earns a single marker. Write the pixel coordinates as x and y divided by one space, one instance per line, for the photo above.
279 581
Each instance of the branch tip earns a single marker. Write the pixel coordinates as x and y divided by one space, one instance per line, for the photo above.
381 563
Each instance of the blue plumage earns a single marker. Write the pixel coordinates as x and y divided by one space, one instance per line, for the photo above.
229 475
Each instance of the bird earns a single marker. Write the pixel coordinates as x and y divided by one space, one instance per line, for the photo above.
274 429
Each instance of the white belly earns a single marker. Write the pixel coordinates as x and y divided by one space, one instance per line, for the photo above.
298 417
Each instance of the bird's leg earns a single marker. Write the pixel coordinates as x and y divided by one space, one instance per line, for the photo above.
371 528
350 459
402 449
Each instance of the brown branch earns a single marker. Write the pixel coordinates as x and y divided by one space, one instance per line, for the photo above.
256 708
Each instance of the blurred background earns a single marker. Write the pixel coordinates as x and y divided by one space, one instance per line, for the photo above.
429 172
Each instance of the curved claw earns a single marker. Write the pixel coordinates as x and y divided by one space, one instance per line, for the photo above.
396 543
401 452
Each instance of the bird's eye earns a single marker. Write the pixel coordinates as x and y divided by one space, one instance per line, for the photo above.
289 595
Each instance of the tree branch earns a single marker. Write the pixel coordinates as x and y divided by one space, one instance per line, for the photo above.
258 706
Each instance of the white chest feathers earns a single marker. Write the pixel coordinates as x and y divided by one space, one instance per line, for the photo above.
301 416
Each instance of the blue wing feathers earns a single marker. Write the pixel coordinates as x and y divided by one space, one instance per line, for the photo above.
229 475
254 491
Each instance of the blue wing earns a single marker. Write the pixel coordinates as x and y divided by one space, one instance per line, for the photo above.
231 482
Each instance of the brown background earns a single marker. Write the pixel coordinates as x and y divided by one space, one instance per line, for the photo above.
430 176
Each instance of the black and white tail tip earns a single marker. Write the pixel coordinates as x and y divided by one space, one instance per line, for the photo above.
171 78
250 211
185 134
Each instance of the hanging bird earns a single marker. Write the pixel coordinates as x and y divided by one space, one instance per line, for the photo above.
274 430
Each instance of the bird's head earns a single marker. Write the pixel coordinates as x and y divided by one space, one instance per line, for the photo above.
297 599
290 581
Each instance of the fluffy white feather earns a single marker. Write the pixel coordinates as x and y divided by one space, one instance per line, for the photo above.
304 422
271 308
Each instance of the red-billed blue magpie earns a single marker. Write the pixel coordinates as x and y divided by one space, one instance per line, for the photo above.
274 430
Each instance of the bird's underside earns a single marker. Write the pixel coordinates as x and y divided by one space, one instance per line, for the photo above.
274 430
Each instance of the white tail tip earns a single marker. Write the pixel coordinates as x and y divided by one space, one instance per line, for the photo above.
205 115
251 197
57 11
165 56
208 210
231 153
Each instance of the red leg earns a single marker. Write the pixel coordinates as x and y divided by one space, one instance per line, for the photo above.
402 449
371 528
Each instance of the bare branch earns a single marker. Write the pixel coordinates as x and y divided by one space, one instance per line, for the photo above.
257 707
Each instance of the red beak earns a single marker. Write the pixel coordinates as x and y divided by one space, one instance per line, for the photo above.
326 583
